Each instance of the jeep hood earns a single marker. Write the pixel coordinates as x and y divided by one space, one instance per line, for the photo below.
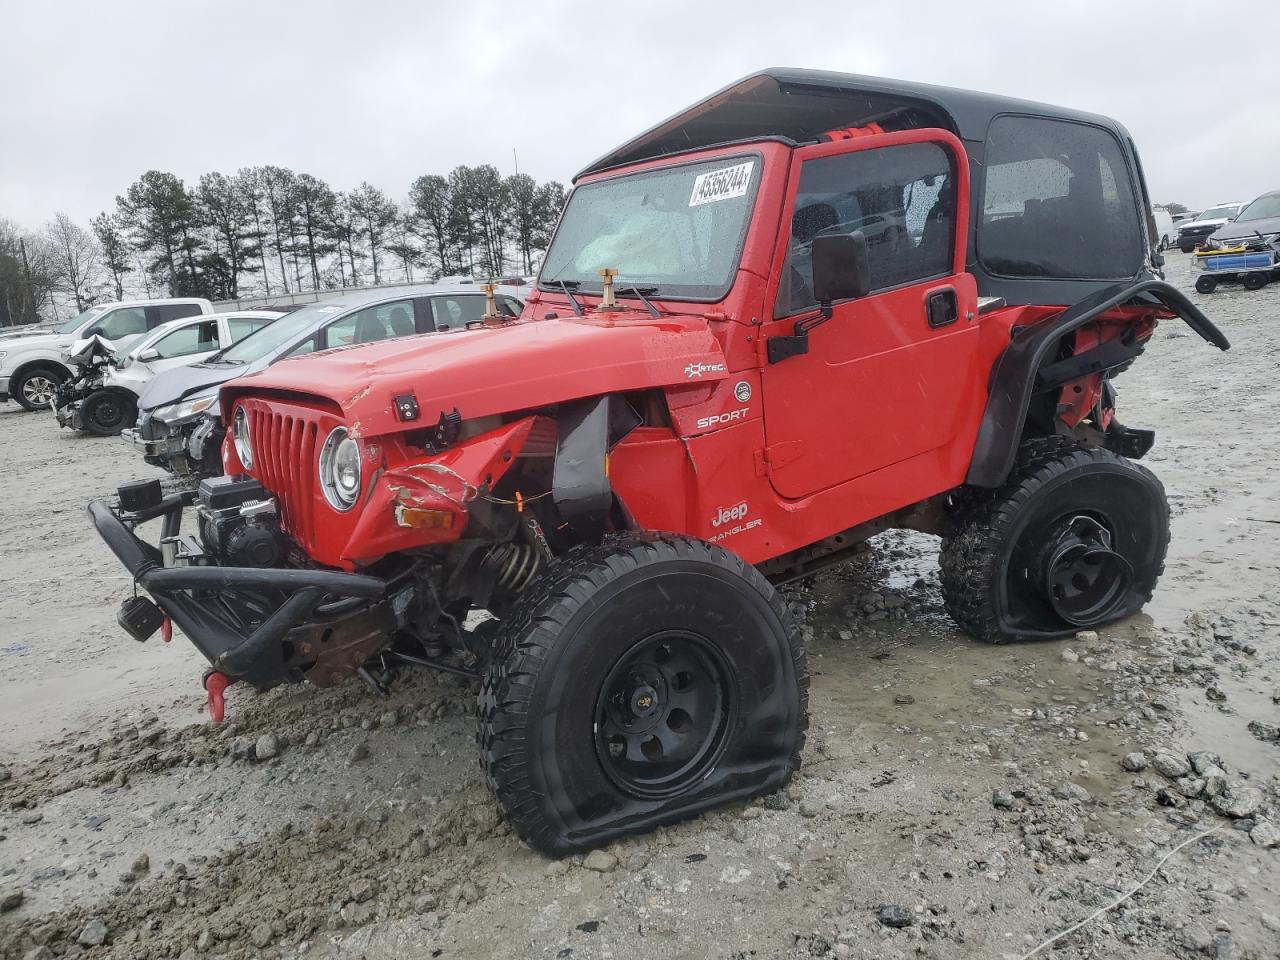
498 369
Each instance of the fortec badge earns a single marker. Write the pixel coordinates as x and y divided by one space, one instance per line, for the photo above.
695 371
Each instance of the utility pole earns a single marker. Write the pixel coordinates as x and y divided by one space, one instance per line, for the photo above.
515 160
26 273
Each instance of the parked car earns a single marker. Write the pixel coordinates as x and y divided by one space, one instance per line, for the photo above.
687 414
102 396
31 367
1258 221
1166 231
178 427
1192 233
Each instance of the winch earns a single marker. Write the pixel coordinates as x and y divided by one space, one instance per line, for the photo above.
238 522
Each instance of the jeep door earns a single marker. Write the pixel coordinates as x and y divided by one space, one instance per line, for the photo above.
886 378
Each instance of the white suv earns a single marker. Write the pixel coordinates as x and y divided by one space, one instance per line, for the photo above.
31 365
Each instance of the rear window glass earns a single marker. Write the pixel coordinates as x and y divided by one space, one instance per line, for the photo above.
1057 203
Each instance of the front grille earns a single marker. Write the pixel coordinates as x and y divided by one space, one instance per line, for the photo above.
284 461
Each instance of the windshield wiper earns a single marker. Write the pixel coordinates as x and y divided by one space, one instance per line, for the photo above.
643 293
564 285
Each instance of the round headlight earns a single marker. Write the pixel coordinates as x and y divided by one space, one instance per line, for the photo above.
340 470
240 436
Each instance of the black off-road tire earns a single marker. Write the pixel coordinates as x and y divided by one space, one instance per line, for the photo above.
18 386
106 412
984 586
559 654
1255 280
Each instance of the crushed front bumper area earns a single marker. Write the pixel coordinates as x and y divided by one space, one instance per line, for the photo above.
265 626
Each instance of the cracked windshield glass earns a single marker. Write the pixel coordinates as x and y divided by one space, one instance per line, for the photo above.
678 230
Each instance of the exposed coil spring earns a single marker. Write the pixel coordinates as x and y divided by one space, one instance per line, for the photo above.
515 565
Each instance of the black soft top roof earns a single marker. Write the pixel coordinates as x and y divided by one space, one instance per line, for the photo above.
801 105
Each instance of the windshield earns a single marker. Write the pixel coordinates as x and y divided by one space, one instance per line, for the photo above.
72 325
1262 208
679 229
278 333
1218 213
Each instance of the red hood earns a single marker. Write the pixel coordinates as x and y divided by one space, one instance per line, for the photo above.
515 366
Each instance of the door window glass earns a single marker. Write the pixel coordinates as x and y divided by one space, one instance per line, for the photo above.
1057 202
196 338
902 199
241 327
450 313
372 324
125 322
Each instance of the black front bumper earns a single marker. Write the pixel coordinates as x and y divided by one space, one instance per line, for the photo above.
215 606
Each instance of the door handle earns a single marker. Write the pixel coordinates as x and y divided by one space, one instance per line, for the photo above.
942 308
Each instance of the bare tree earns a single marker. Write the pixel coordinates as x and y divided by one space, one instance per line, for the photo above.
28 275
77 256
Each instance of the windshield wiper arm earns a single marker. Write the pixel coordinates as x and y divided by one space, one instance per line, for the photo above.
643 293
573 301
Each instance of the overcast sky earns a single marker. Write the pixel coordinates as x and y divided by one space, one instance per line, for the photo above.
95 93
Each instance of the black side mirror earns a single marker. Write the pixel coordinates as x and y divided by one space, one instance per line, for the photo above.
841 267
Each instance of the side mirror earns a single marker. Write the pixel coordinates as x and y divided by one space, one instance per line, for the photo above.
841 267
149 354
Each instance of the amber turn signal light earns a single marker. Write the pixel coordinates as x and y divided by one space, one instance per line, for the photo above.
419 518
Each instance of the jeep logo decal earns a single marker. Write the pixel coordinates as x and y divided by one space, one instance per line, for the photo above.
729 514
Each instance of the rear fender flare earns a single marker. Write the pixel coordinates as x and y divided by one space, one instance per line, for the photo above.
1014 377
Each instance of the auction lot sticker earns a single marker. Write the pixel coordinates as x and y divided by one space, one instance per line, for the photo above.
721 184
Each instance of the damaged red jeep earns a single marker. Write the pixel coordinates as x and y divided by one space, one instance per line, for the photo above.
808 308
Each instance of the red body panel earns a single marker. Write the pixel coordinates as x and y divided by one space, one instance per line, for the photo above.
881 413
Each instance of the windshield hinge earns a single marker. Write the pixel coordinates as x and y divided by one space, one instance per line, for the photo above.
797 343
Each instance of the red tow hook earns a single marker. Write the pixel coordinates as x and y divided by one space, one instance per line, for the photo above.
215 684
166 630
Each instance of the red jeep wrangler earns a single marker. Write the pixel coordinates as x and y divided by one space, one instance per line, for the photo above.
806 309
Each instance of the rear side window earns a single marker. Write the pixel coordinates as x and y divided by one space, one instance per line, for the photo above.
241 327
449 313
1057 203
164 312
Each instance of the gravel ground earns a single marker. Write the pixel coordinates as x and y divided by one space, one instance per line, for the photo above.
956 800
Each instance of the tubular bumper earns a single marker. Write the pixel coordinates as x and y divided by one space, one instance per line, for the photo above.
252 655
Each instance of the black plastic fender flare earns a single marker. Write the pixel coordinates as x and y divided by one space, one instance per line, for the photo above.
1013 379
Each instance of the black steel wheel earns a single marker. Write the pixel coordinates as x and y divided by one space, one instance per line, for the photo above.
639 682
1206 284
1075 538
1254 281
663 713
107 412
35 389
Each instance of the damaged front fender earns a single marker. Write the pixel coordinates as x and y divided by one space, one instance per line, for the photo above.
427 501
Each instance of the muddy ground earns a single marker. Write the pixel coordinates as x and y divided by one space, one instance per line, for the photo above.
956 800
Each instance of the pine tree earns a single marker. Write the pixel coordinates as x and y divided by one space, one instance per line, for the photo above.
115 249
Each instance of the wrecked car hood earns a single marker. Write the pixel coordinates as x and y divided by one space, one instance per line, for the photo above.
497 369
